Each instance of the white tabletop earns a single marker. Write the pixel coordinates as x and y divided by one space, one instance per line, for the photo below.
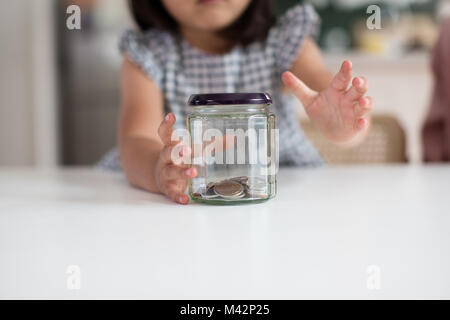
345 232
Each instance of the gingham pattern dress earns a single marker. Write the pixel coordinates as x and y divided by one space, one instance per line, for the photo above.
179 69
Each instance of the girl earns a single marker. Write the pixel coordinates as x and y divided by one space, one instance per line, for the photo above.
205 46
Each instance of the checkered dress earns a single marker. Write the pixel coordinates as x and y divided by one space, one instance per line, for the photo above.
180 70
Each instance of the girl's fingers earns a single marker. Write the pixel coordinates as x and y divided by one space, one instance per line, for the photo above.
176 194
173 172
177 154
364 106
342 79
358 89
301 90
361 124
165 130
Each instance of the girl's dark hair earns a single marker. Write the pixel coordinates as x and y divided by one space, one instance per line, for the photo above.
253 25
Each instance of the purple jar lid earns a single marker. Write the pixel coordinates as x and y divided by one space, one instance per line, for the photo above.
211 99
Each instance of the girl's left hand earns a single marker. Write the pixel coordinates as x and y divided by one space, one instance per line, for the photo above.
340 113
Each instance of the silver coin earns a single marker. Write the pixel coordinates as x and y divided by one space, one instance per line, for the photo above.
241 180
228 188
235 188
237 197
240 195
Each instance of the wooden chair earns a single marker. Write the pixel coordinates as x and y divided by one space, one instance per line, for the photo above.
385 143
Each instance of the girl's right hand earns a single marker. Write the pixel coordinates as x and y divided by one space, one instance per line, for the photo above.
172 179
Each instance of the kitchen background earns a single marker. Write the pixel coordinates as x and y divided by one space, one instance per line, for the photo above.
59 88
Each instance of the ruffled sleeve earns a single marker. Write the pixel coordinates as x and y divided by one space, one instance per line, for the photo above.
286 37
146 50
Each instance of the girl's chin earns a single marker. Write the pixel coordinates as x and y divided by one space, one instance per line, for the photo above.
209 1
211 28
212 22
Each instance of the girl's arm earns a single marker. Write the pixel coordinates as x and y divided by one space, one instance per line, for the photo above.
338 109
145 144
310 67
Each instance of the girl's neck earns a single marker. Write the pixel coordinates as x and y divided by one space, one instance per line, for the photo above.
209 42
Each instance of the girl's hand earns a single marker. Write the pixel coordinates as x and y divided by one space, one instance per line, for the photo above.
172 179
341 113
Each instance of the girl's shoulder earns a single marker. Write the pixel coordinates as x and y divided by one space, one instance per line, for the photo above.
302 19
148 50
286 36
151 40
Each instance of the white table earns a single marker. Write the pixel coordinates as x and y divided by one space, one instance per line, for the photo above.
345 232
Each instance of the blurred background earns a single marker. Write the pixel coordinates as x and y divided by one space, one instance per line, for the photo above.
59 88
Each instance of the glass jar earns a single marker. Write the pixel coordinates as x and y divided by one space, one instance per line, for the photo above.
234 148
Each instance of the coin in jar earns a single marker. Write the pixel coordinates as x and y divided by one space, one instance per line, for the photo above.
210 193
241 180
228 188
